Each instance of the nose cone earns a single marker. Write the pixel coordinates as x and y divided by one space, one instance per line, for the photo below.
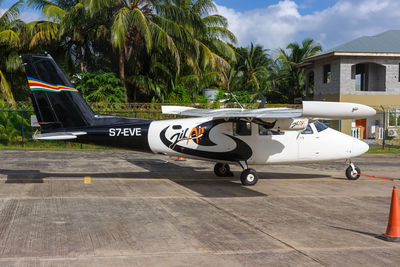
359 148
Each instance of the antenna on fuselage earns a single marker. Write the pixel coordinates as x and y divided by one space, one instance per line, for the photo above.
237 101
262 104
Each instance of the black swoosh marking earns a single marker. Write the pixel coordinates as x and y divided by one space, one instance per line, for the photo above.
241 152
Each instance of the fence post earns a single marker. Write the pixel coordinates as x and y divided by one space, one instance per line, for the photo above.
22 123
384 128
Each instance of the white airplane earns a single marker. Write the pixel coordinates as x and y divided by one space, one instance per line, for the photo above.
225 136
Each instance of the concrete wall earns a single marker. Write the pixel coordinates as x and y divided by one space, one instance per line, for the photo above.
376 78
322 89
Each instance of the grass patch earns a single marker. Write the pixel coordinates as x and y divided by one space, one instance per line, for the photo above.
53 145
388 150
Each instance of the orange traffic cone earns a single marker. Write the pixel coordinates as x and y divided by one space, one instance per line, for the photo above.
180 158
393 228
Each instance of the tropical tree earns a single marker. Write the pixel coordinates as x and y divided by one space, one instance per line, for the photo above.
292 77
180 35
9 44
254 62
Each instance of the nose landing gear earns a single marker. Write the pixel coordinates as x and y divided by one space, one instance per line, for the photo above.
248 176
353 172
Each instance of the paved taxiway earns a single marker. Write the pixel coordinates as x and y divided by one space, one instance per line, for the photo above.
150 210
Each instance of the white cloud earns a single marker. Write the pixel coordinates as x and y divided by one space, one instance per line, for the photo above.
278 25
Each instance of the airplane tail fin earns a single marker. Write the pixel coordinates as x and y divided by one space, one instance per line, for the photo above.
58 105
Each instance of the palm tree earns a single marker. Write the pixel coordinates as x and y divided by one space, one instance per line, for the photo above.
254 62
69 24
133 28
294 77
9 43
180 32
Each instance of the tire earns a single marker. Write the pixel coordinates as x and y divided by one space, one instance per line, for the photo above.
249 177
350 175
222 170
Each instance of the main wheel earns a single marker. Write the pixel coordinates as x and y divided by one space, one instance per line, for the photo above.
249 177
350 173
222 170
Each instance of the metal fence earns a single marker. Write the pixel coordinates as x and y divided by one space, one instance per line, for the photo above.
16 130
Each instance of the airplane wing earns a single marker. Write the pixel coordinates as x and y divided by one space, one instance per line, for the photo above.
57 136
311 109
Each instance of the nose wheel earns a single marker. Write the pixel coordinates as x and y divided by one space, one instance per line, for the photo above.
248 176
353 172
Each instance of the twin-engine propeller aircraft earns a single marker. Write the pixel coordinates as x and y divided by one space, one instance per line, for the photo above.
225 136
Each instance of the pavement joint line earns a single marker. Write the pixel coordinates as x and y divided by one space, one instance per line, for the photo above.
255 227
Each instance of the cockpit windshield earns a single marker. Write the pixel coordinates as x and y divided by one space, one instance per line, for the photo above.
320 126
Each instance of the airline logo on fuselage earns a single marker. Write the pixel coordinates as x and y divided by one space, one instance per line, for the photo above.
125 132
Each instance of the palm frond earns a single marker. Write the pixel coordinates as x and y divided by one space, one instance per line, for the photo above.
9 38
204 7
12 13
5 90
126 19
215 21
165 42
53 13
38 4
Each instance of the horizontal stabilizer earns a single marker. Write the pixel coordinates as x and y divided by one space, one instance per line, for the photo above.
58 136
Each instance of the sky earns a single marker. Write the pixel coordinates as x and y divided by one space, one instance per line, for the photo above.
275 24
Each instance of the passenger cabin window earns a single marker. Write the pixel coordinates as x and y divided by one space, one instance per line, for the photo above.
242 128
264 131
327 73
308 130
320 126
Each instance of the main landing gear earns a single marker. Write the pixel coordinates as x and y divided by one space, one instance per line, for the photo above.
248 176
353 172
222 170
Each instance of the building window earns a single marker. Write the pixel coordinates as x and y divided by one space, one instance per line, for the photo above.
369 77
394 117
361 77
242 128
327 73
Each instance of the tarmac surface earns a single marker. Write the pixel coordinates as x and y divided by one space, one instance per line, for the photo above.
150 210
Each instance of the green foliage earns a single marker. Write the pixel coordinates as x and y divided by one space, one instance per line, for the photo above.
166 50
181 95
242 96
100 87
11 123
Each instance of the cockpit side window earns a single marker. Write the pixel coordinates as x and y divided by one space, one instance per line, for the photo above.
320 126
242 128
308 130
264 131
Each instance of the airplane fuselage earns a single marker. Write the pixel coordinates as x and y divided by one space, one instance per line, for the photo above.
223 140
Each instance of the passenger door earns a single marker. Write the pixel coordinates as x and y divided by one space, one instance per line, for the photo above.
308 143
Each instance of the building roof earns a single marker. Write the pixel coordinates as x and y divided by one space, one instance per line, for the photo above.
386 42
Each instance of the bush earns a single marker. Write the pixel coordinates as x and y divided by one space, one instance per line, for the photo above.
100 87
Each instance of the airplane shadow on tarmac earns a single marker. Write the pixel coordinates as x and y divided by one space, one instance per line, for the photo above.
198 179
